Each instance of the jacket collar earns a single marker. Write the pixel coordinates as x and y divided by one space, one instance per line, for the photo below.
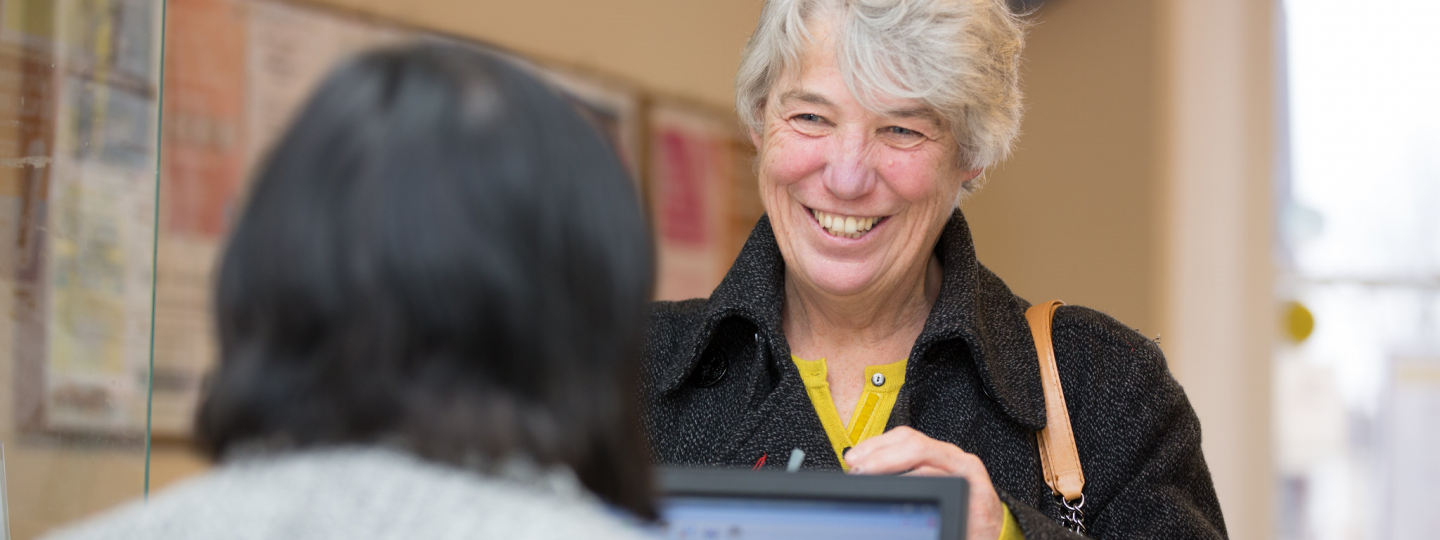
974 306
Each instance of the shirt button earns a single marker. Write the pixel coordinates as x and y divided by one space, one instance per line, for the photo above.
878 379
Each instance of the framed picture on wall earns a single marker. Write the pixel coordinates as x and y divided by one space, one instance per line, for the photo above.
84 272
701 195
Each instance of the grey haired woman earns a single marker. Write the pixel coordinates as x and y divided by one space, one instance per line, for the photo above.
857 324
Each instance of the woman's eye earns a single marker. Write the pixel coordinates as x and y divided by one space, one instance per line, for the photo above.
810 124
902 137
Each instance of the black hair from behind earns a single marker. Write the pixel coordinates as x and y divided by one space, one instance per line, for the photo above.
440 253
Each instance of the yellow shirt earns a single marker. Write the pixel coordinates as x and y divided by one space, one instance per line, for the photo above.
871 414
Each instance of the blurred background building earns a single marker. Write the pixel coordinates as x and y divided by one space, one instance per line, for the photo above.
1256 184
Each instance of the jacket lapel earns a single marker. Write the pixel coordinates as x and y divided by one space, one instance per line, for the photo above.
976 307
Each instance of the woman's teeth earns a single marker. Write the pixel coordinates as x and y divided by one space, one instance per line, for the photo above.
845 226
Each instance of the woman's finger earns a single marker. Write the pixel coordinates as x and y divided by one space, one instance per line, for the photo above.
902 456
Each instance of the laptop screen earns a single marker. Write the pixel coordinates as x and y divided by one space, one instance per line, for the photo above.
726 518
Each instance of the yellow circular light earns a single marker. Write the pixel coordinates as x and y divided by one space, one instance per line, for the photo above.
1299 322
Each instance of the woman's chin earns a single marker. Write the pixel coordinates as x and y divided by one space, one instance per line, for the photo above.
842 278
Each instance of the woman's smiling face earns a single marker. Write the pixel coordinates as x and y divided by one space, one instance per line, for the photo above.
857 197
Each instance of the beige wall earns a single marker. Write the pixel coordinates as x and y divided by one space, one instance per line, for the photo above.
1071 215
683 48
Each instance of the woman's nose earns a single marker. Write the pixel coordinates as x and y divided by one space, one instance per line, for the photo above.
850 175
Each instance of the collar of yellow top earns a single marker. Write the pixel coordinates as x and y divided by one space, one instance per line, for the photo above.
872 412
814 372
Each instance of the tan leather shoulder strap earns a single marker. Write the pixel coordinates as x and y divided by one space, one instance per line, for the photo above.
1058 455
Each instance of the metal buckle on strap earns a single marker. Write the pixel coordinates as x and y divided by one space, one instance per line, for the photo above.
1075 518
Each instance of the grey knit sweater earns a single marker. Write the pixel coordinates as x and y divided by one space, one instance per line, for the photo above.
360 494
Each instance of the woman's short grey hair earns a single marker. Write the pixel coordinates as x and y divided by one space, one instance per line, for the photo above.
960 57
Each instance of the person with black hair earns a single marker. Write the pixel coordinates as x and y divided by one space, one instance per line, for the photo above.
430 317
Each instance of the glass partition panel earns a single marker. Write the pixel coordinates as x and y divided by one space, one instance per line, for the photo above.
79 95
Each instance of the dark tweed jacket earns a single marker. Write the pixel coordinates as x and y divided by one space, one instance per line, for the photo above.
720 390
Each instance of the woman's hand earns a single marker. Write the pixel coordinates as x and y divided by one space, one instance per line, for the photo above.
905 451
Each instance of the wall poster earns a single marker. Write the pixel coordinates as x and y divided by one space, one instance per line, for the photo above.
203 153
82 330
700 197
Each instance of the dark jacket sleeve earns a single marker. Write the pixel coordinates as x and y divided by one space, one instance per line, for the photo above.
1136 431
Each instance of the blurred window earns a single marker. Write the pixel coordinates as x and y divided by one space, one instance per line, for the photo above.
1358 401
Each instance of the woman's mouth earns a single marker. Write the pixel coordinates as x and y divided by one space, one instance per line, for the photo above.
846 226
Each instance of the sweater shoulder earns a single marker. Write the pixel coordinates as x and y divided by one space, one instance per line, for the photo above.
335 494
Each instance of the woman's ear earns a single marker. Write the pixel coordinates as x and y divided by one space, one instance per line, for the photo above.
754 137
969 175
970 182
